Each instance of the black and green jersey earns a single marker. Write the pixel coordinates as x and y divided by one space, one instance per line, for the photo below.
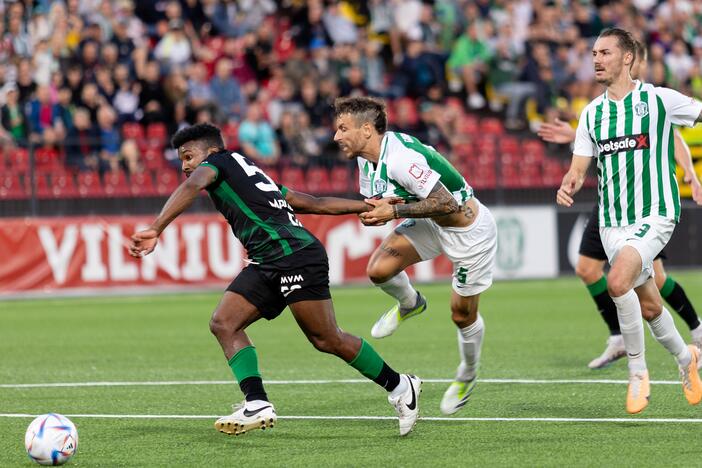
254 207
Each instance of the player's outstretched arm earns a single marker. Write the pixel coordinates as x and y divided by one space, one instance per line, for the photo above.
684 159
557 132
438 202
144 242
573 180
306 203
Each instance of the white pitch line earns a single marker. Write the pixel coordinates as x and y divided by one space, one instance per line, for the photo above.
376 418
319 382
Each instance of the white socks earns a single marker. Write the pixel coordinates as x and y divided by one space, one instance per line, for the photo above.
470 340
400 288
629 315
664 331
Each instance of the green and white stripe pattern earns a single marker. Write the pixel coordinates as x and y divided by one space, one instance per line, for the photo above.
398 152
639 180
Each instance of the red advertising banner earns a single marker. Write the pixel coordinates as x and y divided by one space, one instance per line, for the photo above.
52 254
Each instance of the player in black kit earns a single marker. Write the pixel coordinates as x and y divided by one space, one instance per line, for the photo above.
288 267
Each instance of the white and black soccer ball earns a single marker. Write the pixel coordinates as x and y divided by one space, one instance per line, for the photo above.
51 439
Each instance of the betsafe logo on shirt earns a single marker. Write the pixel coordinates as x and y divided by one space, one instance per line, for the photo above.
624 143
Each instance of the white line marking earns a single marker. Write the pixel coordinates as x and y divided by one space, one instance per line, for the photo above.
374 418
318 382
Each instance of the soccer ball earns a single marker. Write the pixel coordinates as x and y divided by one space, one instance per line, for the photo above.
51 439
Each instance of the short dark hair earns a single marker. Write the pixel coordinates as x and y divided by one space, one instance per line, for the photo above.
625 40
204 132
363 109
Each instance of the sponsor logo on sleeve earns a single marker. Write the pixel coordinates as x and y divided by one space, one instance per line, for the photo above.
416 171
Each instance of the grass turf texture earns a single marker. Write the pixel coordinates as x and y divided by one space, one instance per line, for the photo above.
534 330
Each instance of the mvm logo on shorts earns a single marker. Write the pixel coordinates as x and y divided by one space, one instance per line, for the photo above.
624 143
289 280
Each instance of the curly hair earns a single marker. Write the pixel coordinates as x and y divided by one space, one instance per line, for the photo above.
363 109
204 132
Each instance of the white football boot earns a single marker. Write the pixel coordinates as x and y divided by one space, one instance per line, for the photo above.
248 415
457 395
614 350
407 404
391 320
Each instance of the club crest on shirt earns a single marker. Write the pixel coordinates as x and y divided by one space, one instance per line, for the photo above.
380 186
641 109
416 171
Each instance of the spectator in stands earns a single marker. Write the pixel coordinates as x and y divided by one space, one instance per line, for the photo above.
63 112
226 91
174 50
105 83
354 82
25 81
122 41
199 91
126 98
504 78
257 137
130 156
419 70
109 138
152 96
41 113
285 101
82 143
21 41
91 100
468 61
89 58
13 119
297 141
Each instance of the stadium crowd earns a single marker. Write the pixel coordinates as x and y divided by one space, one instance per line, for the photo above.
98 85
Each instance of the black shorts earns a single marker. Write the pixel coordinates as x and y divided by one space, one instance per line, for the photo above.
591 244
301 276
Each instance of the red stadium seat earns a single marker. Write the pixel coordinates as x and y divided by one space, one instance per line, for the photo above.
166 181
157 131
230 133
340 178
47 158
12 187
153 158
43 189
318 180
18 159
89 185
132 131
468 125
115 183
294 178
492 126
62 185
141 185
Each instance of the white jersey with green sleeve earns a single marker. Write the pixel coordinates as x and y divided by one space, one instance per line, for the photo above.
409 169
632 140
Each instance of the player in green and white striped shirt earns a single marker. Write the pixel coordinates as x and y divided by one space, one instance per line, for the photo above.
629 130
443 217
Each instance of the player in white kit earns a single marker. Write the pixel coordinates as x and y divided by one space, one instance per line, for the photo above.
628 129
442 217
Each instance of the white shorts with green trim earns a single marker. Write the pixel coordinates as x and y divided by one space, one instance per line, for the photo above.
471 249
648 236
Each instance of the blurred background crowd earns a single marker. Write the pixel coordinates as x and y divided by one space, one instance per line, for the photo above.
90 90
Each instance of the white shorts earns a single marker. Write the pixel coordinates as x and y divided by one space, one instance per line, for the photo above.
648 236
471 249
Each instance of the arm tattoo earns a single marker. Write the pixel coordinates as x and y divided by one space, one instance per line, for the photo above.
439 202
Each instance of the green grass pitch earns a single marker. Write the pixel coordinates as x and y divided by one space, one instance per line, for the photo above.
535 330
